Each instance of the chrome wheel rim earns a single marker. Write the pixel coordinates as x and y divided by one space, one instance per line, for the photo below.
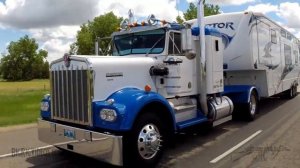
149 141
292 92
253 104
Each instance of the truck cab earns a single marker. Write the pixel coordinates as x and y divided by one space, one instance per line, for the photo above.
127 106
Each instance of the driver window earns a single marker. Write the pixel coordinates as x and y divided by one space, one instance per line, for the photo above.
174 44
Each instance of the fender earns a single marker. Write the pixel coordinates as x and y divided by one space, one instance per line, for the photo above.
239 93
128 102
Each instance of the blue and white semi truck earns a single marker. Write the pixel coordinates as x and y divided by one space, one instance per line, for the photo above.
162 78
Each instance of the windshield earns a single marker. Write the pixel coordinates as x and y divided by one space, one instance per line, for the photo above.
147 42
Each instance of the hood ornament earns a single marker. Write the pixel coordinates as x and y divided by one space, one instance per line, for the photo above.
67 60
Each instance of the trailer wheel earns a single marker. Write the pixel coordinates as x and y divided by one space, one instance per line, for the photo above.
145 144
252 106
295 90
292 92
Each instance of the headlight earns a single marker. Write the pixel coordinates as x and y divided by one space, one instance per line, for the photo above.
108 115
44 106
47 96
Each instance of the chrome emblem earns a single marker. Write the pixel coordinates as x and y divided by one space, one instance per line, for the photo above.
67 60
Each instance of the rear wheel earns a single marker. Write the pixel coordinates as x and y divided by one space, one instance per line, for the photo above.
144 145
251 107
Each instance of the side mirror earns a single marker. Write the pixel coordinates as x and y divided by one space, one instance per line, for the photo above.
186 43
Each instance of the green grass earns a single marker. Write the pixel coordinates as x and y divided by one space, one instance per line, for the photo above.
20 101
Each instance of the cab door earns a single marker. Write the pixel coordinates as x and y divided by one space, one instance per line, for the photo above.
181 80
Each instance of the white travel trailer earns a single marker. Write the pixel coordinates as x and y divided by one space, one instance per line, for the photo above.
258 52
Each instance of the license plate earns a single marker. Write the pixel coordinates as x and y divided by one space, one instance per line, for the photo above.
69 133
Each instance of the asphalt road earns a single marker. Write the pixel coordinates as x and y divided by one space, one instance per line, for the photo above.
274 141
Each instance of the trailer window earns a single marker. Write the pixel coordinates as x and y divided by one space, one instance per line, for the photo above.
289 36
288 54
283 33
174 43
295 40
296 56
273 36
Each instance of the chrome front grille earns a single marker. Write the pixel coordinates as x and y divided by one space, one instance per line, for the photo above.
70 95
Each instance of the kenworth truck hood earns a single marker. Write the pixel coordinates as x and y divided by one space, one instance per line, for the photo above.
111 73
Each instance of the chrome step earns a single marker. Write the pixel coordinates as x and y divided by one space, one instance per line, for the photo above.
184 107
222 120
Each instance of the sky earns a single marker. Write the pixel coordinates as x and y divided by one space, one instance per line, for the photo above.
54 23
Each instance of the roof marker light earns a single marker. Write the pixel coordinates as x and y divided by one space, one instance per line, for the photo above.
147 88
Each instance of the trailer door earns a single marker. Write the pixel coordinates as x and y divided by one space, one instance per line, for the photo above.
275 52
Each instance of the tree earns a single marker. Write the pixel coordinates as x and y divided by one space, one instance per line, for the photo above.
24 61
210 9
191 12
102 26
179 19
73 48
41 65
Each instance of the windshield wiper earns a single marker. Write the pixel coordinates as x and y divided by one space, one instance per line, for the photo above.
154 45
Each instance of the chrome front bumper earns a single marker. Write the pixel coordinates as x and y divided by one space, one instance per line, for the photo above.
104 147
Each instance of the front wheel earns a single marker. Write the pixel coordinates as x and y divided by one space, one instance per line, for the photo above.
144 145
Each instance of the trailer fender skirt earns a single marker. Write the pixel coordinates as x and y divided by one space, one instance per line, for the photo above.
239 93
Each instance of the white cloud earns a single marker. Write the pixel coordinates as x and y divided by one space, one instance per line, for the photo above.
263 8
290 12
55 40
26 14
54 23
225 2
164 9
60 32
290 19
56 48
46 13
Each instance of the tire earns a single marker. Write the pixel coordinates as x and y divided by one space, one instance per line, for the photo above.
292 92
251 108
296 90
145 144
